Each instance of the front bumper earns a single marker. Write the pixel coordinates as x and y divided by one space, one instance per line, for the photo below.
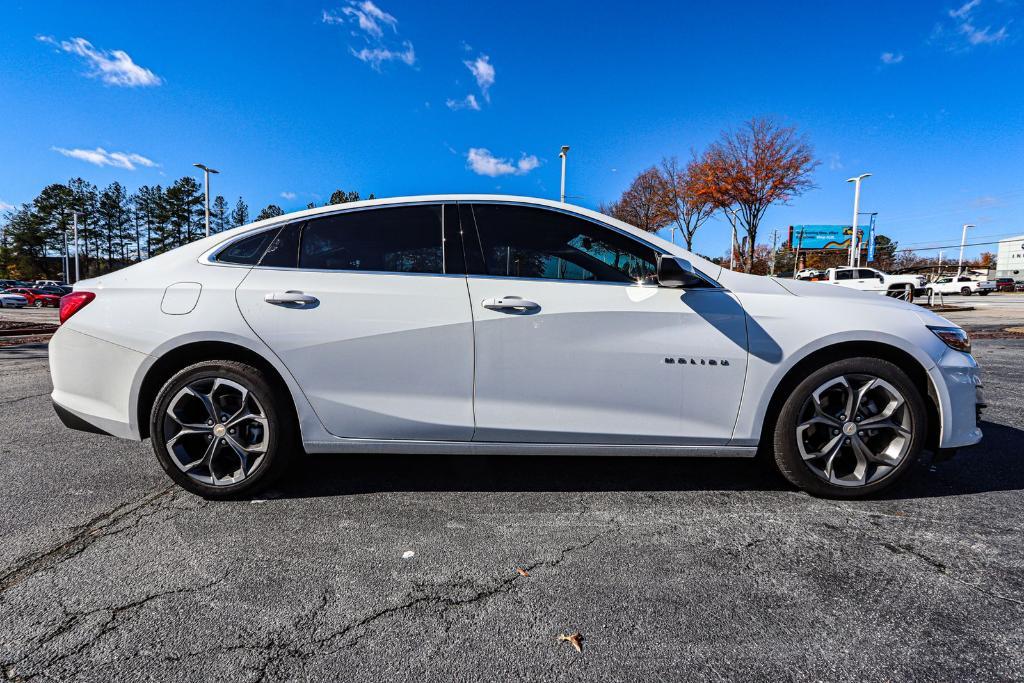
961 399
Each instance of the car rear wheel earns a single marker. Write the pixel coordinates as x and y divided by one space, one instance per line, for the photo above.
218 430
38 303
850 429
966 291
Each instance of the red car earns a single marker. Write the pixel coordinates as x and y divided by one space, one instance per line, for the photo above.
36 297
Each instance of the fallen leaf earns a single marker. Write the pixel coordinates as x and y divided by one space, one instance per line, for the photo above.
575 639
522 572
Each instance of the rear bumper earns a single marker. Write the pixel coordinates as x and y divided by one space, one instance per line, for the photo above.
92 383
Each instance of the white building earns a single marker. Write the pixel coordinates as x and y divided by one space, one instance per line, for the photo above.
1010 259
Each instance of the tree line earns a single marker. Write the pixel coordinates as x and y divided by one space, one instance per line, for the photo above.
115 227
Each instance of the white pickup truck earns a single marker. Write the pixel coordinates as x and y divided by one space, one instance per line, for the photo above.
871 280
961 285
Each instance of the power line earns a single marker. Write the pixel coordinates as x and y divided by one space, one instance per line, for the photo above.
952 246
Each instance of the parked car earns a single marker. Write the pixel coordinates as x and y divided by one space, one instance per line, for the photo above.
960 285
810 274
49 283
477 324
56 290
9 300
36 297
872 280
1005 284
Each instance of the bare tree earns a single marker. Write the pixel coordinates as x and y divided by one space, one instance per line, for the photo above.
690 200
761 164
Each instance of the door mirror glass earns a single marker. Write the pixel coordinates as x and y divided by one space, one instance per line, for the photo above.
675 272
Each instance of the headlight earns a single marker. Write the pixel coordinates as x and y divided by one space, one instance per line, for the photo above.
954 338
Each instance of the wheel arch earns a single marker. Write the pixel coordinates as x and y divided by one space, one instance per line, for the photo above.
178 357
855 349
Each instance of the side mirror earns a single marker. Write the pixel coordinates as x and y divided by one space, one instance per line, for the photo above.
674 271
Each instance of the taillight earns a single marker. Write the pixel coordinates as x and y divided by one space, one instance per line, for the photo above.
72 303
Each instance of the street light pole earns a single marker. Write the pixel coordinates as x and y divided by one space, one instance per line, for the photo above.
854 243
563 154
206 183
732 247
963 239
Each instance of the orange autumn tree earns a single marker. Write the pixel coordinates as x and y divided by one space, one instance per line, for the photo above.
690 201
645 203
748 170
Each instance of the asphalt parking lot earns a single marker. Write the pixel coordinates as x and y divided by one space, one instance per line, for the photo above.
397 568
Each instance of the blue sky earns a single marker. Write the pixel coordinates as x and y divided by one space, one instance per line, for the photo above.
291 100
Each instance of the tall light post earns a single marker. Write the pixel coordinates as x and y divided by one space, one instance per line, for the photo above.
563 154
206 183
854 243
963 239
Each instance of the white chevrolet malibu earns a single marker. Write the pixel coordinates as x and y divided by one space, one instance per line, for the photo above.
488 324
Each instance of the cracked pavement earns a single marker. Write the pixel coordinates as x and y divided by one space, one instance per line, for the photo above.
670 569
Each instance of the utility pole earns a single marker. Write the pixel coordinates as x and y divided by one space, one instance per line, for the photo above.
563 154
206 183
854 244
75 240
732 248
796 258
775 242
963 239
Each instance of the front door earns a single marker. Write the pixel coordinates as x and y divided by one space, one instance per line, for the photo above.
576 343
363 309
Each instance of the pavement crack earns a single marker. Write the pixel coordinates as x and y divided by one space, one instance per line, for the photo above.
23 398
84 535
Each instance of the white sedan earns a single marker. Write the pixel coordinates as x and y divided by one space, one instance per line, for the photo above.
9 300
483 324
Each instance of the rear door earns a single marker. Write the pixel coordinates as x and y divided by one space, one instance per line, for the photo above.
576 343
368 309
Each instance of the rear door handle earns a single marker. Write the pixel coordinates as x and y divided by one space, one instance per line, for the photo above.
510 303
290 297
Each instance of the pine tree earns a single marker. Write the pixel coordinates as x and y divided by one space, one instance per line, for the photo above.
240 214
271 211
114 223
219 215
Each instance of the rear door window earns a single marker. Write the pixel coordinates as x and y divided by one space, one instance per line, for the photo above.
405 239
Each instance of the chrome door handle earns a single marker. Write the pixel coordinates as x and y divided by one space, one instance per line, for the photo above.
290 297
514 303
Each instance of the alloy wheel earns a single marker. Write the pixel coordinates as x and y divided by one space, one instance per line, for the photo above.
217 432
854 430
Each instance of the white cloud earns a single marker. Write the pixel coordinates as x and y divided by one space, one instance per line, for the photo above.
4 206
966 28
288 195
378 55
482 162
964 10
483 72
892 57
113 67
835 162
469 102
370 17
371 21
101 157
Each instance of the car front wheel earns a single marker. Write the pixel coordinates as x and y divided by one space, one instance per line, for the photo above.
850 429
966 291
219 431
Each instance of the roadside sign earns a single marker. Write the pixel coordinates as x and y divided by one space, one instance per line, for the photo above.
823 236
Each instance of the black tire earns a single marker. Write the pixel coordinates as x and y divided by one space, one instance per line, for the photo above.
38 303
280 437
787 454
966 291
